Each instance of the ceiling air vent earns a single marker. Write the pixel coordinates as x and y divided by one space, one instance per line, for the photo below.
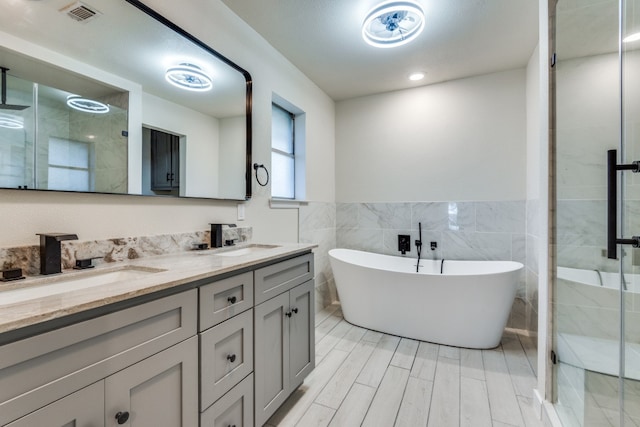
80 12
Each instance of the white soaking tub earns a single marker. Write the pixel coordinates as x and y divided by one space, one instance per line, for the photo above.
468 305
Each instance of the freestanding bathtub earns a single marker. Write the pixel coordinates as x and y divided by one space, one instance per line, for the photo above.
468 305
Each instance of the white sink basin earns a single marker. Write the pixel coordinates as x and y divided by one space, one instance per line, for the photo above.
246 250
70 282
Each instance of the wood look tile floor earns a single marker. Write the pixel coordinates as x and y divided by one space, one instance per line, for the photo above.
367 378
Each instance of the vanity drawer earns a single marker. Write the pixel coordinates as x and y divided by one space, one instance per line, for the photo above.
226 356
233 409
275 279
221 300
38 370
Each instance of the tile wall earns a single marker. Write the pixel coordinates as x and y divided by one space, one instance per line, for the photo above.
317 224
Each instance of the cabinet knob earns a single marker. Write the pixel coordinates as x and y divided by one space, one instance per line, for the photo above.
288 314
231 358
232 299
295 310
122 417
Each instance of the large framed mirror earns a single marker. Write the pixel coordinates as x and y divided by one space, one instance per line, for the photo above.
108 96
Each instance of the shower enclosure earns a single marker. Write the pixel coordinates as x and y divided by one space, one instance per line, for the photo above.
596 287
47 144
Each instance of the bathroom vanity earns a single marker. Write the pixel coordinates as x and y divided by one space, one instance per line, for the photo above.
203 339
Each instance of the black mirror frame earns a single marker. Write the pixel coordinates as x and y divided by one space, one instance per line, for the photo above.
249 82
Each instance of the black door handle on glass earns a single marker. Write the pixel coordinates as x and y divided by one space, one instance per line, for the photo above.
612 204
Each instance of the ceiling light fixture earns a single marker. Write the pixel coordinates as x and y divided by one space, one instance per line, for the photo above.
190 77
393 23
631 38
11 122
414 77
87 105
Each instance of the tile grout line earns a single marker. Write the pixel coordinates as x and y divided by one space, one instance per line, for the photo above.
435 369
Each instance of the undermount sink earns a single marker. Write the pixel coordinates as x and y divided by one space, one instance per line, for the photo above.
73 281
246 250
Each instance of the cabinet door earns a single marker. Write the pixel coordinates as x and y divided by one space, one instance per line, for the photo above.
84 408
233 409
160 160
226 357
159 391
301 332
175 161
223 299
271 356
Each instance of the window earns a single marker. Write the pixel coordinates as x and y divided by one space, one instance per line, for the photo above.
70 165
283 153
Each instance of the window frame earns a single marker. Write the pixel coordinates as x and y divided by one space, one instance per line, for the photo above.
90 169
291 155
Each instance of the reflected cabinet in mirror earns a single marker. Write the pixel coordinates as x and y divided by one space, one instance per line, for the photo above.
108 96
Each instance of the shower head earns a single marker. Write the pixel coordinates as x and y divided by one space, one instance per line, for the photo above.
4 105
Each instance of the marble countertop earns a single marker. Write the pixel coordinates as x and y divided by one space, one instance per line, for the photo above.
30 301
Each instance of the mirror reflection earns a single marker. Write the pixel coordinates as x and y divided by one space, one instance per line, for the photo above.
142 110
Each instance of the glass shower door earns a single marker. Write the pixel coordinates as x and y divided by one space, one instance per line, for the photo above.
629 381
586 293
16 133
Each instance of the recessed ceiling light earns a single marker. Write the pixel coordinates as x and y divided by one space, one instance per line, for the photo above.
11 122
416 76
87 105
393 23
189 77
631 38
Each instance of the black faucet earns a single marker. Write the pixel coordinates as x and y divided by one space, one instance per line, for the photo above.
419 246
216 234
50 252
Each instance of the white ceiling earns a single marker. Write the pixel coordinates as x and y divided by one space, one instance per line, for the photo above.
461 38
140 51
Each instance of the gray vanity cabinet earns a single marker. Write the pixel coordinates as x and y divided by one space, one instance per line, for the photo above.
158 391
84 408
228 353
301 333
284 347
141 360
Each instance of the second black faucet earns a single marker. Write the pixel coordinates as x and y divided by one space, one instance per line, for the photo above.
216 234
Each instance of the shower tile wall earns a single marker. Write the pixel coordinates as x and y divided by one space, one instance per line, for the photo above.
104 133
317 224
462 230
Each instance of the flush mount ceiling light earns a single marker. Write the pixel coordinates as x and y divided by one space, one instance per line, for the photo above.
631 38
189 77
414 77
393 23
86 105
11 122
